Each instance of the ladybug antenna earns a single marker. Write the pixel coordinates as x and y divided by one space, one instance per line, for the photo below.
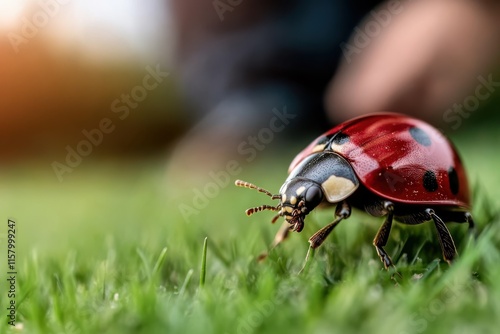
251 211
249 185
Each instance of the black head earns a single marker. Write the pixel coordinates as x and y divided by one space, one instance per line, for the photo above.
298 197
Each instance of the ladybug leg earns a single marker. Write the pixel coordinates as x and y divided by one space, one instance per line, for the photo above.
382 236
444 236
472 225
342 211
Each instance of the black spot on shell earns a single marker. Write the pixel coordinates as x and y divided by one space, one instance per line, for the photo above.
430 181
453 178
340 138
420 136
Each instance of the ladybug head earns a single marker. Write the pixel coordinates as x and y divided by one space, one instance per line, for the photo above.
298 197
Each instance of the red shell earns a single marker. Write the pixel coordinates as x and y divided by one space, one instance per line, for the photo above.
393 156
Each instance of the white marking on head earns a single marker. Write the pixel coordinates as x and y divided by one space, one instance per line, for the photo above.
338 188
283 198
300 190
293 200
318 148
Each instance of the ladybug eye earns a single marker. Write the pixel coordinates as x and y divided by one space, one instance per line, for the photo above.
313 196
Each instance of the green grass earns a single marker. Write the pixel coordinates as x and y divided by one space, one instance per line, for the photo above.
107 251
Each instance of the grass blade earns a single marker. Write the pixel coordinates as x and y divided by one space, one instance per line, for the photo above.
203 271
145 263
160 261
186 282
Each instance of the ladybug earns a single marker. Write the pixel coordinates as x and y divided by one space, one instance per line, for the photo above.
387 164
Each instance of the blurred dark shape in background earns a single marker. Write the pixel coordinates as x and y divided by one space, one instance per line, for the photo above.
263 53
